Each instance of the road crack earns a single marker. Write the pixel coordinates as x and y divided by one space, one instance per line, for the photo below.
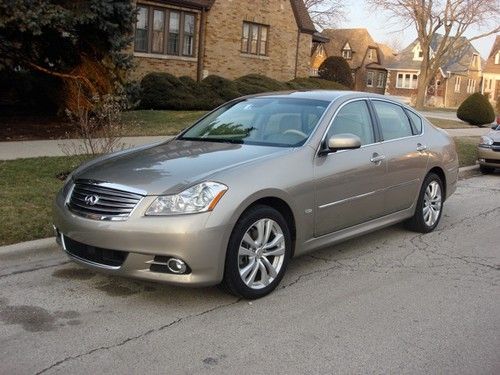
137 337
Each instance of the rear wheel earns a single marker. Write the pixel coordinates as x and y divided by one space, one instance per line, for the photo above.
258 253
486 170
429 206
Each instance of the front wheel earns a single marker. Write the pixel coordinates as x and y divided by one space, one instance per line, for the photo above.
429 205
258 253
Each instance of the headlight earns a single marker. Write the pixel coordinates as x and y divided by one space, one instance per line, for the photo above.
199 198
485 141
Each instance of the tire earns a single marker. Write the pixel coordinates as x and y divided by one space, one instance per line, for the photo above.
247 271
486 170
425 219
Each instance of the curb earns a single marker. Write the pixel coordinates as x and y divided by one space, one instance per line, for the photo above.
469 171
21 248
48 243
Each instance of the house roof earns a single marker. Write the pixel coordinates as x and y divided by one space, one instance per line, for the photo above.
458 62
388 54
359 40
491 67
318 38
304 22
201 4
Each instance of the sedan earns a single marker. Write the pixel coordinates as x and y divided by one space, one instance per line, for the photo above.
255 182
489 150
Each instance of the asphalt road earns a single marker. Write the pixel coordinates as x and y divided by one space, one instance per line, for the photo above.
389 302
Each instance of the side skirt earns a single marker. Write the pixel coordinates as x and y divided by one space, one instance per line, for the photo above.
355 231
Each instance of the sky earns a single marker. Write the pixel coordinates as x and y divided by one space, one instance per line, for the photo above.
384 30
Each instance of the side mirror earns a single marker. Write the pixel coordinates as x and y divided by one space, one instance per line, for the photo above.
345 141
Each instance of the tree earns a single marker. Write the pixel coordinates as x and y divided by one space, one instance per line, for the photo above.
81 42
450 18
325 13
336 68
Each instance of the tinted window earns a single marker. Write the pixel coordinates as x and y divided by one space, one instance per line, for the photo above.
393 120
354 118
264 121
416 120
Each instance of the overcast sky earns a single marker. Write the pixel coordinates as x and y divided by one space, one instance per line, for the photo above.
383 30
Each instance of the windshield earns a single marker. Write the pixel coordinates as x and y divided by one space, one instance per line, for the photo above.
281 122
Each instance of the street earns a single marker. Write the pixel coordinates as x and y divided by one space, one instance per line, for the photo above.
392 301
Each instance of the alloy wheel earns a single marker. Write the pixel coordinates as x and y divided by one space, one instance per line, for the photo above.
261 253
432 203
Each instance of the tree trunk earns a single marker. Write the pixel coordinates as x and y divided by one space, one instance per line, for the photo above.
423 82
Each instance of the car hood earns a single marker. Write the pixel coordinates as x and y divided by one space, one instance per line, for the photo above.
173 166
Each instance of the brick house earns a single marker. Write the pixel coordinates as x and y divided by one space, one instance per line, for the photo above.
458 77
198 38
491 73
366 58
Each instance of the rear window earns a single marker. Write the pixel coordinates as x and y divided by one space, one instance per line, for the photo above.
416 121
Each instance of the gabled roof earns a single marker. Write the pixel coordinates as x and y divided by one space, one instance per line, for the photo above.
491 67
359 40
201 4
304 22
388 55
458 62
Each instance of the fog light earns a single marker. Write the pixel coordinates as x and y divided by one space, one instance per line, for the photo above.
176 266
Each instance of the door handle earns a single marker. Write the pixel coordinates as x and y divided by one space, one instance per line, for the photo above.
421 147
376 158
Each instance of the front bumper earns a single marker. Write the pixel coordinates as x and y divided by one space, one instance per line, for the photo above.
488 157
185 237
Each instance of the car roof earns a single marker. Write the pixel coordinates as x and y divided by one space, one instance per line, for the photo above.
327 95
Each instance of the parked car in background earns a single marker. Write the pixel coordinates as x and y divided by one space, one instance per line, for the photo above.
253 183
488 150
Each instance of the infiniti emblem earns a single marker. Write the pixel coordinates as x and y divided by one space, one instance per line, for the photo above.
91 200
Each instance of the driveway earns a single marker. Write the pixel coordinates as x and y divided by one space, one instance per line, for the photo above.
389 302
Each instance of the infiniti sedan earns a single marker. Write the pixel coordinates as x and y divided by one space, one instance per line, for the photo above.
254 183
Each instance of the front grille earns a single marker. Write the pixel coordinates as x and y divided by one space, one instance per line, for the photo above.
492 161
108 257
100 202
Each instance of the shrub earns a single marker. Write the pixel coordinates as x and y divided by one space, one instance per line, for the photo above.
256 83
336 68
165 91
223 87
476 110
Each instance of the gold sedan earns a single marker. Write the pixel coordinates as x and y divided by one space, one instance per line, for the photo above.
489 151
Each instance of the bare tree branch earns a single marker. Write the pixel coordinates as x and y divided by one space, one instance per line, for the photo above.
325 13
451 19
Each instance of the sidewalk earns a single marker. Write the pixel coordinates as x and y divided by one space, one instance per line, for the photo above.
32 149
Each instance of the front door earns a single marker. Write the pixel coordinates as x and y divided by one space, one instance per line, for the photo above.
349 183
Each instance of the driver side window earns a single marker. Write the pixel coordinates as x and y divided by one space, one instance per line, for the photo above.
354 118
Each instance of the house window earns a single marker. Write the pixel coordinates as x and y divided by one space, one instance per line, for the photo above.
381 80
347 54
369 79
418 54
406 81
497 58
471 85
371 54
160 30
254 38
141 29
458 82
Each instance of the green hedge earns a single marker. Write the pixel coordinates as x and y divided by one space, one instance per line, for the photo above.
165 91
476 110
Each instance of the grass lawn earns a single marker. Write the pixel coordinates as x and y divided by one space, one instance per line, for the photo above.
467 150
27 190
149 122
449 124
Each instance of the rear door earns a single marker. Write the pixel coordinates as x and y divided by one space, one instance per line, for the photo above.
349 183
405 151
